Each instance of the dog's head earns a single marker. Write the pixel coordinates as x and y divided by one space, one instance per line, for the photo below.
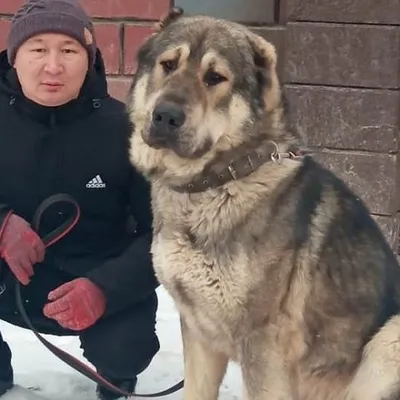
203 85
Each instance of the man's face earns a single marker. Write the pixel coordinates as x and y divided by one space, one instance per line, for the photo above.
51 68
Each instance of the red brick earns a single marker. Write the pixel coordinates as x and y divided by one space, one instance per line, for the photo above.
145 9
135 35
4 27
118 87
108 40
10 6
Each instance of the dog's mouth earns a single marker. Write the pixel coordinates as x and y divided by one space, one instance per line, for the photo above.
168 129
179 142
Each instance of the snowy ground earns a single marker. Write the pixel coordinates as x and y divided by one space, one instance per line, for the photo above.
35 366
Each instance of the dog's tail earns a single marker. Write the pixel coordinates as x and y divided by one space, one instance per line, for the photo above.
378 376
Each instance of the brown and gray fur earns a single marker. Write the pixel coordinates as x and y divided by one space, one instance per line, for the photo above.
283 271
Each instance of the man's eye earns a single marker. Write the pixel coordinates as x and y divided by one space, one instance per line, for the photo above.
39 50
69 51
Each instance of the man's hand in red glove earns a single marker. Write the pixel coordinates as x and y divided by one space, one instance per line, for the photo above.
76 305
20 247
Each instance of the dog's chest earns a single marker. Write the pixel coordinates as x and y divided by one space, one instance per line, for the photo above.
201 272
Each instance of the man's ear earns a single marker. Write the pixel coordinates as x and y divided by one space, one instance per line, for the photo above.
265 61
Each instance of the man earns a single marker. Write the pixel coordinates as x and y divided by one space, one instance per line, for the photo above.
61 132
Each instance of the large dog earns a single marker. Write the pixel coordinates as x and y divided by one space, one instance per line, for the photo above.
271 260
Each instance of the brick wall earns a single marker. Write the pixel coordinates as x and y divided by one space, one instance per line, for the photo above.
120 26
342 64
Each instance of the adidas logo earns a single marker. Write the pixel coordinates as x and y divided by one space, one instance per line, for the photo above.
96 183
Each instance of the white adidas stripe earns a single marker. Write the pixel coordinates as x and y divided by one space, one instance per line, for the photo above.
96 183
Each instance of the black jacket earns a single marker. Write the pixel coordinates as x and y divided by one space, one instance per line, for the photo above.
70 149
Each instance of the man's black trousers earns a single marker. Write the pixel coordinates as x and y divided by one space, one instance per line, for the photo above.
119 346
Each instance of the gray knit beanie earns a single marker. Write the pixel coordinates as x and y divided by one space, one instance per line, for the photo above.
58 16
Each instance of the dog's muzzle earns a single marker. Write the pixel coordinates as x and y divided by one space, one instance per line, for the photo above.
167 119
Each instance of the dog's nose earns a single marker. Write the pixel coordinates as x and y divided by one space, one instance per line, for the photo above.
168 116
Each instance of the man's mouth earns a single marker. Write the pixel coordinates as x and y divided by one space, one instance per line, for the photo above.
52 84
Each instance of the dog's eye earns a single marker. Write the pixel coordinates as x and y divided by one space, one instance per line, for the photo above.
169 65
212 78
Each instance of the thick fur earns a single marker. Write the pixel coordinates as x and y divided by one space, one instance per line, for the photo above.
284 271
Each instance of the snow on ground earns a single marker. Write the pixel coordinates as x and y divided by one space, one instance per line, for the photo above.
35 366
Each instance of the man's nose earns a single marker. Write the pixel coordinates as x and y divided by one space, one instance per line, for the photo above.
53 64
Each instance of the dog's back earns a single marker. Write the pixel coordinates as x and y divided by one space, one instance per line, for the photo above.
342 288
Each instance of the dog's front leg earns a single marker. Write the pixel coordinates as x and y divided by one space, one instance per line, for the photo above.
264 373
204 368
264 383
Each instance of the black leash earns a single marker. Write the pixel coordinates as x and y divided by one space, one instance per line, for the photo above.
73 362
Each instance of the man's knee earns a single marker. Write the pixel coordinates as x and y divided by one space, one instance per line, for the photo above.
124 344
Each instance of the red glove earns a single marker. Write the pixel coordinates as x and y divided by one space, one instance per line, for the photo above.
76 305
20 247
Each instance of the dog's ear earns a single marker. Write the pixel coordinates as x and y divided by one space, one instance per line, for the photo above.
172 16
265 61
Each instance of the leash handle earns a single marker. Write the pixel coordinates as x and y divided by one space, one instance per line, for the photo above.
49 239
58 233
